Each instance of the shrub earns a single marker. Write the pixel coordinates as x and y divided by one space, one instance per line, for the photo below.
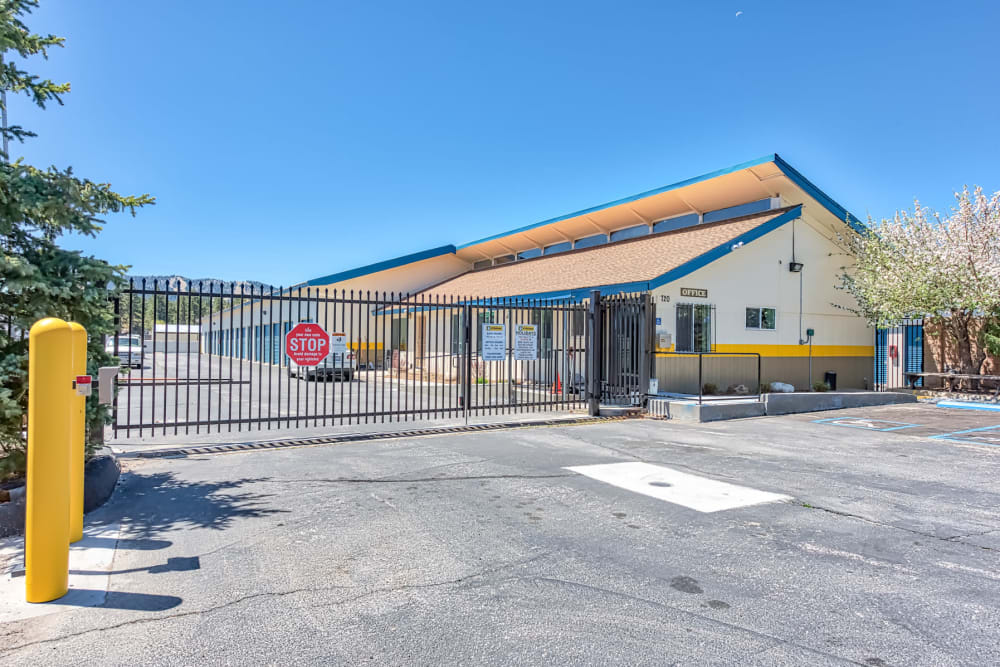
821 386
709 389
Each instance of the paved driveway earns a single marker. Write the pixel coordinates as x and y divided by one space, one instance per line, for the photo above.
763 541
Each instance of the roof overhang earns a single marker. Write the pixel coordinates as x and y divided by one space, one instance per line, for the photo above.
768 176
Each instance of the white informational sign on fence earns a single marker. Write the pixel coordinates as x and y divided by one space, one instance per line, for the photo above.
338 343
525 342
494 342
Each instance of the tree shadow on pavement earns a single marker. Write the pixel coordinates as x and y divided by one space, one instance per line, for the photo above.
149 505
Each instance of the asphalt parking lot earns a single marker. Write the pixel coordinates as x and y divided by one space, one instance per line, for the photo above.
771 541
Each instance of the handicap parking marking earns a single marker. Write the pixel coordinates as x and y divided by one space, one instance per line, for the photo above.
698 493
986 435
866 424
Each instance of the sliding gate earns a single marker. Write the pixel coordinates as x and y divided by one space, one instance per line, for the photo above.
210 358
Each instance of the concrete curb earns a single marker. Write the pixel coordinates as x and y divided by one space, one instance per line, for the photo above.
785 404
773 404
99 479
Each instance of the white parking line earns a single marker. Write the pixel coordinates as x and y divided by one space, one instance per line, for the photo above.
697 493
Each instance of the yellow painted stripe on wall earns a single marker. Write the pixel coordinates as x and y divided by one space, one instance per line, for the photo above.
367 345
786 350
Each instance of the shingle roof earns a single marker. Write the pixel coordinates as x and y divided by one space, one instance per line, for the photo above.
635 260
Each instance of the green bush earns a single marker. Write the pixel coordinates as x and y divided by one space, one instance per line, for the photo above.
710 389
821 386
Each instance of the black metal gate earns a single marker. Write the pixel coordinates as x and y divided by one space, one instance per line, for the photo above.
899 351
206 359
624 351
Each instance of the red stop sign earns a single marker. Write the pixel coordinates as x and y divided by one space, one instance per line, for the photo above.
307 344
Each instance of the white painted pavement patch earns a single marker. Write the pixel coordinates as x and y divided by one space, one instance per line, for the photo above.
90 562
697 493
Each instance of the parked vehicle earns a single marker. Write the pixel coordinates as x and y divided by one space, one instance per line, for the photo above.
129 350
341 366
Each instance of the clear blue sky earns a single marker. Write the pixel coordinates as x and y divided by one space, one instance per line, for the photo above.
288 140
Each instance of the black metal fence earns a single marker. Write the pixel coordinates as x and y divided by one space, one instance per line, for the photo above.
197 359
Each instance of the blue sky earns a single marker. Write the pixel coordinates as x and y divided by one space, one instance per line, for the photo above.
290 140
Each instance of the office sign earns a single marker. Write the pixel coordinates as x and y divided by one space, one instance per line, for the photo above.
525 342
494 342
695 292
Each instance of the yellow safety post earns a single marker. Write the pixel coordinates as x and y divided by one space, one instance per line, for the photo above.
50 395
77 427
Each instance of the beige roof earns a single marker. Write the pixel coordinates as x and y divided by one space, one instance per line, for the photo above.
634 260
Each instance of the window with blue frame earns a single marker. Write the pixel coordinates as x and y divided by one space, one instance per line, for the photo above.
679 222
629 233
591 241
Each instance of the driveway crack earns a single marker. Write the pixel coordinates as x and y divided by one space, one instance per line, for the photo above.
955 539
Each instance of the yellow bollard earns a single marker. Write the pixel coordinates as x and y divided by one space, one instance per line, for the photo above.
77 425
50 394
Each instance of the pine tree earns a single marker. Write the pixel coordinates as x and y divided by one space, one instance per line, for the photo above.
37 277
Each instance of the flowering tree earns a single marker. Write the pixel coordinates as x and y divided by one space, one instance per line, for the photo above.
944 269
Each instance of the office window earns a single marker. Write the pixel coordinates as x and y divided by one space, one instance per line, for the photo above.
629 233
679 222
483 264
557 247
694 328
761 318
528 254
503 259
591 241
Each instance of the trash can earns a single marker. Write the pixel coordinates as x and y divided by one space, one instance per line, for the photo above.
830 378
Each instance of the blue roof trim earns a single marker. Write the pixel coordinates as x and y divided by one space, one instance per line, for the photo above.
648 193
824 199
379 266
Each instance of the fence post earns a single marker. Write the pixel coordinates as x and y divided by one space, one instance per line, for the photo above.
467 361
594 361
647 359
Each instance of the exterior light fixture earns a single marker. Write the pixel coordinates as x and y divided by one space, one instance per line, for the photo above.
795 267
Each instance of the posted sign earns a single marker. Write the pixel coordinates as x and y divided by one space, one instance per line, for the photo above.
494 342
307 344
525 342
338 343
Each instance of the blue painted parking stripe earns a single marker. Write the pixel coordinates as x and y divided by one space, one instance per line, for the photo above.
969 405
950 436
901 425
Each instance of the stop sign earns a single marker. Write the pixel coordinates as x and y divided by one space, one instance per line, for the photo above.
307 344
